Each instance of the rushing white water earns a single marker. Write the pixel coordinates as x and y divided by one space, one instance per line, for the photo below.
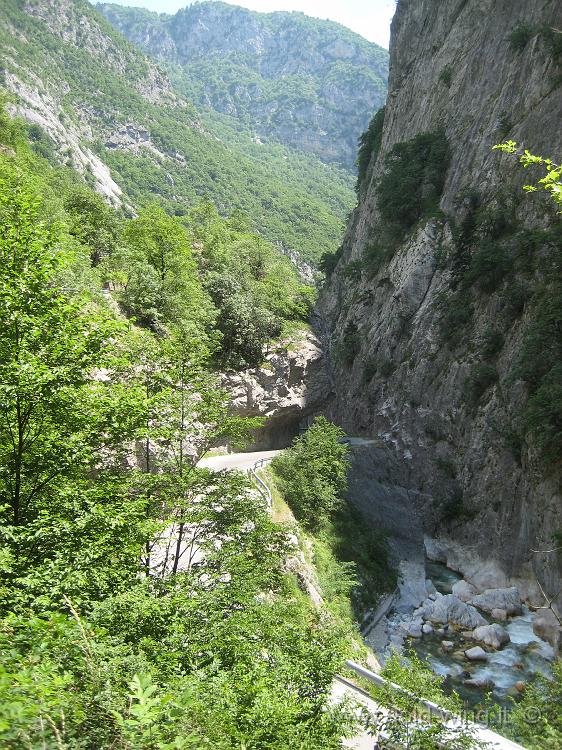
525 655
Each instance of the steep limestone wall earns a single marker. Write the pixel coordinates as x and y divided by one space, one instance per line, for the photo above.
453 67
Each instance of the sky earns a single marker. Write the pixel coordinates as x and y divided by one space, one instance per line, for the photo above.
370 18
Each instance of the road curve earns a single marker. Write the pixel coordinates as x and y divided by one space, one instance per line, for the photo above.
240 461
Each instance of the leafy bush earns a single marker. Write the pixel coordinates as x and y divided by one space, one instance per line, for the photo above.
492 342
457 312
515 298
350 345
482 377
376 254
489 266
329 261
369 145
520 35
414 178
313 472
446 75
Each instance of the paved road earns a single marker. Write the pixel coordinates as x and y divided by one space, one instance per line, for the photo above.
241 461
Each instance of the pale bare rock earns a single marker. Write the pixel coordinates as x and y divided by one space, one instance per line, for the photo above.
476 653
464 591
449 609
507 599
491 635
546 626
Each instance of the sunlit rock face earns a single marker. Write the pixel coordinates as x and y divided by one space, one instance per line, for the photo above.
308 83
289 387
486 501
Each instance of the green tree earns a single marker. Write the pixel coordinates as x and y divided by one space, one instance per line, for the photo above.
47 349
313 472
93 222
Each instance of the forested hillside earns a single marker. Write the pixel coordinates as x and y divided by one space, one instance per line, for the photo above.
113 632
310 84
102 104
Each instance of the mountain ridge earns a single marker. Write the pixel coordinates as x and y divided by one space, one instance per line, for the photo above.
307 83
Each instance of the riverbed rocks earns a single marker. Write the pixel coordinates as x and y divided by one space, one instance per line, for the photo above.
547 627
464 591
493 635
499 614
507 599
476 653
450 609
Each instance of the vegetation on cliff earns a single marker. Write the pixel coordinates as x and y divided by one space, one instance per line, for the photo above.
92 88
143 601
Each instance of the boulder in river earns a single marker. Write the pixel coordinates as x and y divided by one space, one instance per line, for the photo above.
491 635
447 645
429 587
476 653
415 629
450 609
427 628
547 627
464 591
499 614
507 599
481 684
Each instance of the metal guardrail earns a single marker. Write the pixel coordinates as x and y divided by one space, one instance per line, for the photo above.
264 490
490 740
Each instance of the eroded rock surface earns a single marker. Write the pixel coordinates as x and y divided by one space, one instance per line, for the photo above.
287 389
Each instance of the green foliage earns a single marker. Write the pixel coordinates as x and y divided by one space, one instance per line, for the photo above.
446 75
313 472
540 701
352 561
313 104
376 254
489 266
406 721
143 601
414 178
520 35
349 345
551 182
481 377
369 145
457 313
94 223
492 342
306 201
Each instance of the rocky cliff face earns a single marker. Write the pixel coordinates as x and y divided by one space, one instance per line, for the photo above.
287 389
308 83
411 309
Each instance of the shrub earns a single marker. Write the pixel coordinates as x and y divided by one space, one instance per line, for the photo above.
457 314
477 383
489 265
520 35
492 342
313 472
414 178
376 254
369 145
446 75
350 344
505 124
452 507
515 297
329 261
354 270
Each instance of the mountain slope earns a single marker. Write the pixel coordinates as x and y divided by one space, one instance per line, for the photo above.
444 307
304 82
114 115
